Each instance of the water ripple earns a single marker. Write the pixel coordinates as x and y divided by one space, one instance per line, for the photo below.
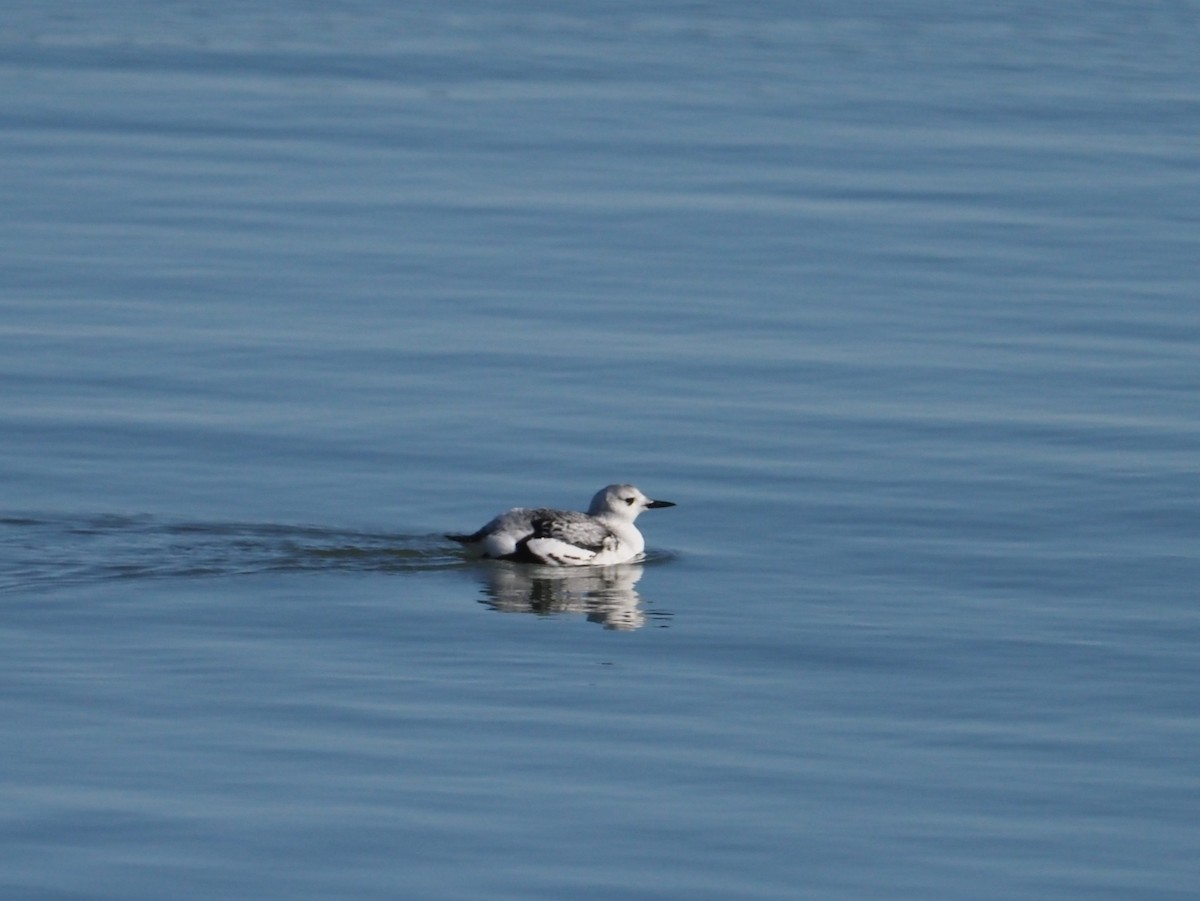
47 551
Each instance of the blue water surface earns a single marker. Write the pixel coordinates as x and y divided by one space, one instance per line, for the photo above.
897 303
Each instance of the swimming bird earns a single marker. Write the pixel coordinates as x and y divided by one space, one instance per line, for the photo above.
604 535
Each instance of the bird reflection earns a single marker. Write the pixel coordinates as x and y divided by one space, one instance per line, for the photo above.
604 594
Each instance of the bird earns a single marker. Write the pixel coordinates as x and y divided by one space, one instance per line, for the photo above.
603 536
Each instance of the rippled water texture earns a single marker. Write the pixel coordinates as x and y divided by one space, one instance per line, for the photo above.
897 302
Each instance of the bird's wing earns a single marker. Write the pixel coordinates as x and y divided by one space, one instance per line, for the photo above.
516 521
576 529
542 536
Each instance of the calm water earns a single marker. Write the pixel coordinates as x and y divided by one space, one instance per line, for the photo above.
898 303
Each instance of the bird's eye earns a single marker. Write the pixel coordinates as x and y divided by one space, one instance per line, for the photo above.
630 500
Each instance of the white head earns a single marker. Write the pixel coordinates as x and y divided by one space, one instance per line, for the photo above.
623 502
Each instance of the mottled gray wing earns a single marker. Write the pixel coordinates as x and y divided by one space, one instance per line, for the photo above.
578 529
518 522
